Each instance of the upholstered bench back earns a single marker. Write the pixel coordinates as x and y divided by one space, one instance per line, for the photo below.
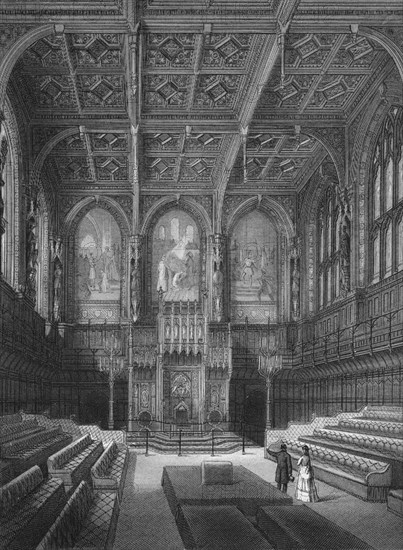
18 488
103 465
66 528
217 472
67 453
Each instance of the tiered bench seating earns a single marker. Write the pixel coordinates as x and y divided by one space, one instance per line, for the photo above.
33 449
109 471
28 506
372 446
218 527
301 528
73 463
87 521
363 477
361 454
183 485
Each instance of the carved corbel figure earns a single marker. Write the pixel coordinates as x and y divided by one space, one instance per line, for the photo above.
345 256
218 279
295 254
135 283
31 245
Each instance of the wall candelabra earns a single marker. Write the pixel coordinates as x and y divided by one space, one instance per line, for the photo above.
270 364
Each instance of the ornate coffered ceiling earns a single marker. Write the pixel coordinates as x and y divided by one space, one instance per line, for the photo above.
195 96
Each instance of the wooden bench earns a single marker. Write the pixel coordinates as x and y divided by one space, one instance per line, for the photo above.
34 449
301 528
109 471
73 463
28 506
79 525
366 478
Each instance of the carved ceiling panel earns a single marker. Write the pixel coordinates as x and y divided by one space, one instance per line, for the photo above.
47 52
112 168
160 169
313 73
169 51
263 142
52 91
73 168
197 169
109 141
226 51
217 91
204 143
101 91
96 50
70 143
274 158
166 91
164 141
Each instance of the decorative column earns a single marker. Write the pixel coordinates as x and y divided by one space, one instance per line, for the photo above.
56 250
135 277
3 157
218 277
130 421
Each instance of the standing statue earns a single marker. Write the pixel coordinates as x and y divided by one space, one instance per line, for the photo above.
57 286
345 253
295 291
3 157
31 255
135 283
135 291
218 279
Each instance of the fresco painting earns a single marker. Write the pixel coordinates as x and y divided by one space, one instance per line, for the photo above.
253 265
176 258
98 256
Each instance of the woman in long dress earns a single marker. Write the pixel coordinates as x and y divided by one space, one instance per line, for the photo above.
305 487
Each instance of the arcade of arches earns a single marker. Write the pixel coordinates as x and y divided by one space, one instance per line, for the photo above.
207 196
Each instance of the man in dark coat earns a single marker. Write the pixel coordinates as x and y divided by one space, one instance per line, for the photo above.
284 468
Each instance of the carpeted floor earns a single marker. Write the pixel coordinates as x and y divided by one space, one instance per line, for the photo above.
146 523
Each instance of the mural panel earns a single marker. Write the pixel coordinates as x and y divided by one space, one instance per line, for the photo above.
253 263
98 266
176 257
